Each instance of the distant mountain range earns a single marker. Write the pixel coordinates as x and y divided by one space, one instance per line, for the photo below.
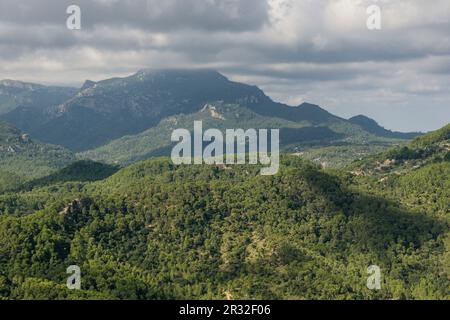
110 113
25 104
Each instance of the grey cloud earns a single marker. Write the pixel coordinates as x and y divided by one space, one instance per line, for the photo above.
296 50
152 15
308 72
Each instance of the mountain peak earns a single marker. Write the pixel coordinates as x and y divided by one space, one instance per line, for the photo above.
88 84
371 126
360 119
311 106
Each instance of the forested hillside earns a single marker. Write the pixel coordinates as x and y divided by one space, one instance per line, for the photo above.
158 231
293 134
22 156
416 175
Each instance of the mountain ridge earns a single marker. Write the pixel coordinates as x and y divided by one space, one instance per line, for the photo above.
371 126
25 104
103 111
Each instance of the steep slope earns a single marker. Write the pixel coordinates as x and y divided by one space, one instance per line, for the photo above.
112 108
373 127
23 156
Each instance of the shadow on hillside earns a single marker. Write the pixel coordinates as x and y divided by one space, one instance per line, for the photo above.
377 223
81 171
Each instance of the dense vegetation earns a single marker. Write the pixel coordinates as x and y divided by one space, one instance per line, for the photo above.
416 175
22 157
158 231
341 155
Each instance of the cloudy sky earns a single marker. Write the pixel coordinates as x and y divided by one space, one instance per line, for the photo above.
319 51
